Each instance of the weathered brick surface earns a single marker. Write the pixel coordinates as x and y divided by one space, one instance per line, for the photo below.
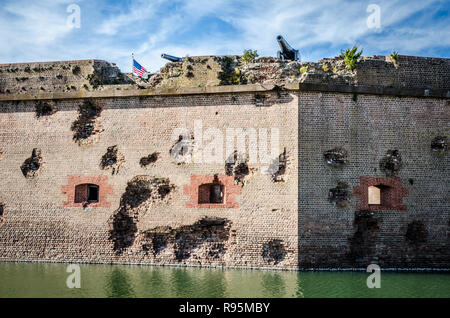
368 128
38 225
290 223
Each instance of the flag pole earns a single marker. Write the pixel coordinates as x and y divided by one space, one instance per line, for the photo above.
132 63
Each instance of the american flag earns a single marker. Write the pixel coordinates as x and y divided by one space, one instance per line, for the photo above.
138 69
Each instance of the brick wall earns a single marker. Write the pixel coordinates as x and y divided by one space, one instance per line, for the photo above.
329 235
41 221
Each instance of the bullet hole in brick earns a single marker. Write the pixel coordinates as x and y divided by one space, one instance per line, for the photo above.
340 195
141 192
112 159
1 153
417 232
336 157
273 252
31 166
44 109
217 113
234 99
411 181
439 143
182 149
391 163
277 168
86 124
207 239
363 241
236 166
355 97
152 158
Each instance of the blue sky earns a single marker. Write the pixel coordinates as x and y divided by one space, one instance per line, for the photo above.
112 30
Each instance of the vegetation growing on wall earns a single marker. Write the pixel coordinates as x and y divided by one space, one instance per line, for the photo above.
351 57
249 56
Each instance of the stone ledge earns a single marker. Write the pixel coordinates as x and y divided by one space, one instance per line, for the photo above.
373 90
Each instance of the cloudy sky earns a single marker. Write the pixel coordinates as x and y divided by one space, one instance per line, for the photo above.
111 30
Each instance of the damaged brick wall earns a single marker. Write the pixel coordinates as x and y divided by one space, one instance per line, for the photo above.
31 166
387 141
48 222
208 239
86 127
113 159
141 192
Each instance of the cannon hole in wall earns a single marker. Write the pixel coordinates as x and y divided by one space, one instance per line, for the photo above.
363 241
278 167
336 157
30 167
150 159
141 191
391 163
44 108
274 251
237 166
86 125
208 239
112 159
416 232
340 195
439 144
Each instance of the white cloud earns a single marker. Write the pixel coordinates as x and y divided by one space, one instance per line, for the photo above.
149 28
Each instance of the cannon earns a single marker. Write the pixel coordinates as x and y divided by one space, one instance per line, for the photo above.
287 52
171 58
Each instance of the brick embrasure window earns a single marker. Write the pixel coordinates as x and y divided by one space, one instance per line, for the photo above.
201 196
81 190
391 193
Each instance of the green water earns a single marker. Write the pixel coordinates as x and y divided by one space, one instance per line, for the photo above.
49 280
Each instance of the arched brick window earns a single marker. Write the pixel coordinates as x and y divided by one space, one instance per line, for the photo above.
211 193
87 192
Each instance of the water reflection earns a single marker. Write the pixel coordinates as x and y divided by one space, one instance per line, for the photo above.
49 280
119 284
273 285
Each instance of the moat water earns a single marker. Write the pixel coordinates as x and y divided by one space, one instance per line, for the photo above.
49 280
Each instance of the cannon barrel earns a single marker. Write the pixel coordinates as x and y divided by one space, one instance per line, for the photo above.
171 58
287 52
